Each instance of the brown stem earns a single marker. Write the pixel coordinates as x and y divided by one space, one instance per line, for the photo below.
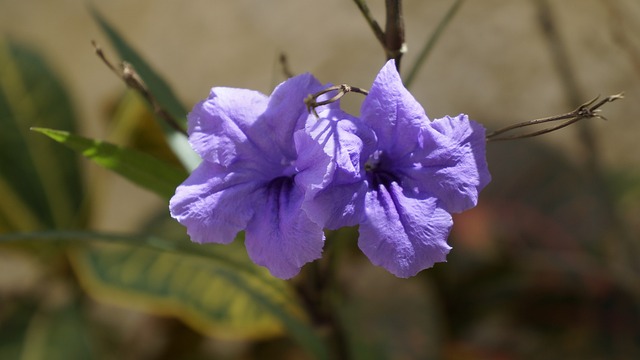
392 39
616 252
585 111
320 291
394 32
131 78
375 27
621 33
284 65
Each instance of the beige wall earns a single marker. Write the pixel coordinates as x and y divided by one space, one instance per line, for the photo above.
492 63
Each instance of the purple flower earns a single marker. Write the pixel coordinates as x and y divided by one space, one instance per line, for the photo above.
419 172
257 167
282 175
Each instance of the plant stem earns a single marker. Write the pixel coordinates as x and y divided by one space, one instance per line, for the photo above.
618 254
375 27
392 38
585 111
318 290
395 46
131 78
431 42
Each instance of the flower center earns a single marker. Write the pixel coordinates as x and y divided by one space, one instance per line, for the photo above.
289 167
373 162
378 171
279 190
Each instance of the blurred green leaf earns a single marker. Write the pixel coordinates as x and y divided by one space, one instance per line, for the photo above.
135 127
138 167
61 334
625 186
159 88
15 322
210 295
40 182
33 331
401 322
215 288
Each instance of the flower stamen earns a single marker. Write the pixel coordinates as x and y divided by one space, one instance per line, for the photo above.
373 161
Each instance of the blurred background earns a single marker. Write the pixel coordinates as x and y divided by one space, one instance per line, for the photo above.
546 266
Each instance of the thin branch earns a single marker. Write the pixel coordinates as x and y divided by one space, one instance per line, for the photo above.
284 66
614 251
392 39
622 36
585 111
394 32
558 51
127 73
544 120
318 290
433 39
377 30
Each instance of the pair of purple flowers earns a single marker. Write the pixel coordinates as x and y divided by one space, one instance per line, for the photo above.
283 175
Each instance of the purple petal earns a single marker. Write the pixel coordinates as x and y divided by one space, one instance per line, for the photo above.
338 141
338 205
453 167
238 124
219 124
393 113
331 152
404 235
213 204
280 236
286 112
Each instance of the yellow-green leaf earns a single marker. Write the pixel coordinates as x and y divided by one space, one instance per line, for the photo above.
138 167
40 182
213 297
134 126
215 288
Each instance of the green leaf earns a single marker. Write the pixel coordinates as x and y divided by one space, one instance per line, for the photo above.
134 127
212 297
58 335
138 167
215 288
16 316
402 322
40 182
32 332
158 87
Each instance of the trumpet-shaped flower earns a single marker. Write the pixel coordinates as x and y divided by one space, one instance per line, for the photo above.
255 174
419 172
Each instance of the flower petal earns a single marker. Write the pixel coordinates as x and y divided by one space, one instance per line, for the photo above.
453 166
287 112
333 149
280 236
393 113
338 205
402 234
222 122
213 204
238 124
